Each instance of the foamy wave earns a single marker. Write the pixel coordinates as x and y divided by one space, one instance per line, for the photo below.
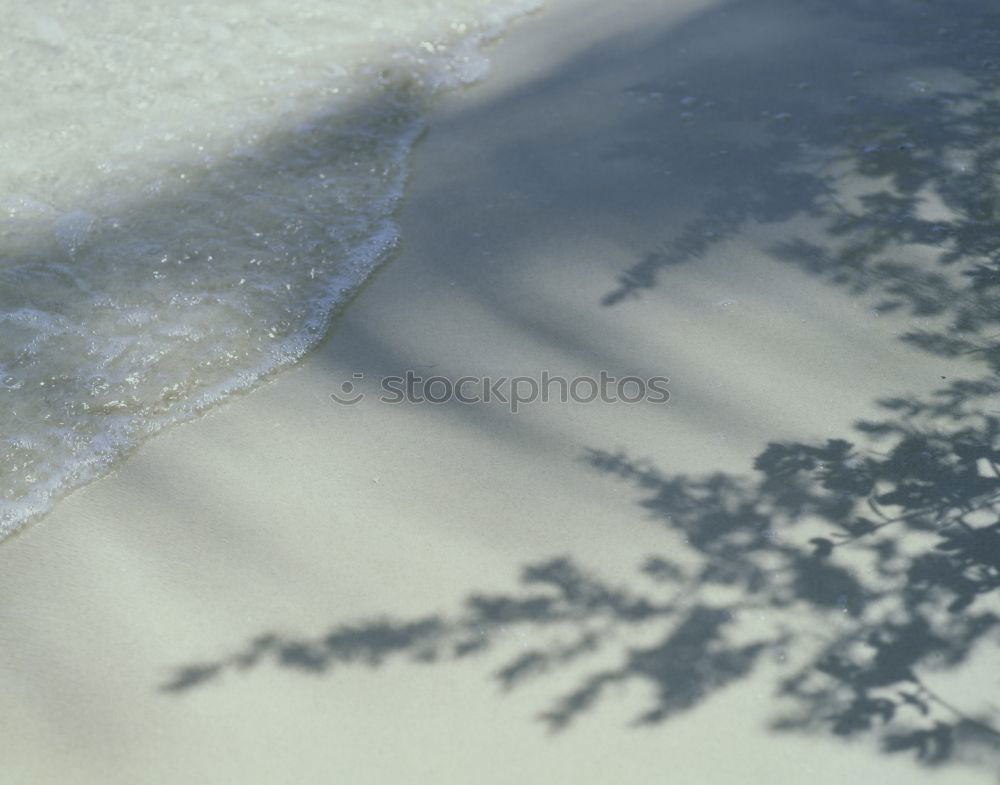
194 224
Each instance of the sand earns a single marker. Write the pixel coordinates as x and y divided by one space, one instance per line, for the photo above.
284 513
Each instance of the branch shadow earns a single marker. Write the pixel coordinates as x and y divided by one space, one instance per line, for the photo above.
820 541
874 557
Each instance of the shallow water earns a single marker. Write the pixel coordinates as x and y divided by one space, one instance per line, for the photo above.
187 191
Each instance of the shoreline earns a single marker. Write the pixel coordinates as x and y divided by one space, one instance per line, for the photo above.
282 514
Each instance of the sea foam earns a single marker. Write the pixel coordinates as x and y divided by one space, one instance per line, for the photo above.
187 192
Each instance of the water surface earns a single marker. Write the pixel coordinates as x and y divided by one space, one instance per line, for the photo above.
187 191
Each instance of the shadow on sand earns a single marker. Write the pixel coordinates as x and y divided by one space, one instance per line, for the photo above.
887 540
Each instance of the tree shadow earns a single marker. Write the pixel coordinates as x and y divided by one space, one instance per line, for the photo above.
874 558
885 165
877 570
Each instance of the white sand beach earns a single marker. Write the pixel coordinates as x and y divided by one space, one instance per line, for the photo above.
688 142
